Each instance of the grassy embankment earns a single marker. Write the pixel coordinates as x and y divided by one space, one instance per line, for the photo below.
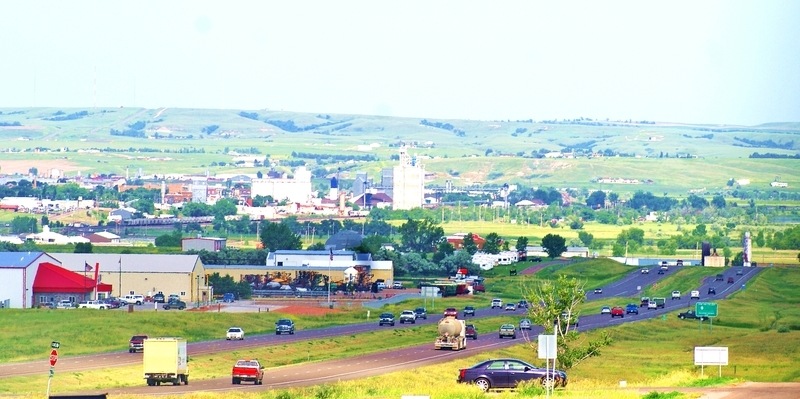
756 325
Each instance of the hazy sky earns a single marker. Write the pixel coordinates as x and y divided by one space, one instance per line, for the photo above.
719 62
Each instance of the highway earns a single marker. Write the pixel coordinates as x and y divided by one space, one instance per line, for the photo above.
382 361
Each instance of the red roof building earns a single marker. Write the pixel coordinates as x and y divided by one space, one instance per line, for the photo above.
55 281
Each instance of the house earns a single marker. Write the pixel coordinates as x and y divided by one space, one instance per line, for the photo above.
211 244
103 237
118 215
49 237
457 240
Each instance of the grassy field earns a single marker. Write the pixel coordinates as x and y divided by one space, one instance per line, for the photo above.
755 324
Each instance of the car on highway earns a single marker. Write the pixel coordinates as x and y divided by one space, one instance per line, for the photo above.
676 295
631 308
730 280
507 330
525 324
712 291
598 290
523 304
659 301
497 303
469 311
235 333
661 271
645 270
644 302
695 294
284 326
652 305
450 312
136 343
739 271
617 311
690 314
421 313
565 318
386 318
605 310
719 277
470 331
408 316
509 373
510 307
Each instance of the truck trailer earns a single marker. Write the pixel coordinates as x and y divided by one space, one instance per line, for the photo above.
165 360
451 334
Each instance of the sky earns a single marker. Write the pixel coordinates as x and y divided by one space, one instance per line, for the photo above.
733 62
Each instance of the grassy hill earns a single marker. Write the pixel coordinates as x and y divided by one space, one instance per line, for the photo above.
463 151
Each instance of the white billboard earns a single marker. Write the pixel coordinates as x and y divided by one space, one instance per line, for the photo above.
711 356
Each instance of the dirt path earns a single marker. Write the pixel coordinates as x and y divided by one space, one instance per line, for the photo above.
746 390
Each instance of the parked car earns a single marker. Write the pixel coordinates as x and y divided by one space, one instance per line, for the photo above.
180 305
694 295
408 316
510 307
229 297
690 314
470 331
497 303
235 333
159 298
631 308
730 280
525 324
398 285
508 373
508 330
676 295
712 291
65 304
284 326
136 343
605 310
421 313
451 312
386 318
469 311
598 290
617 311
113 303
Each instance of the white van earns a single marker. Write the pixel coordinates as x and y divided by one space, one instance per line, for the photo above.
133 298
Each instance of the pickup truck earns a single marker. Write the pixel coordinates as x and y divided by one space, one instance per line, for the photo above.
92 305
136 344
247 370
690 314
408 316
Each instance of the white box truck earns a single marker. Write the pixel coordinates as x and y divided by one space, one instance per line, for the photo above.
165 360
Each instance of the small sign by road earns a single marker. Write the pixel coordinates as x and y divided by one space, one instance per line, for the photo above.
53 357
707 309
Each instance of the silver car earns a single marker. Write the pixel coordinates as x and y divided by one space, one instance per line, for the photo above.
525 324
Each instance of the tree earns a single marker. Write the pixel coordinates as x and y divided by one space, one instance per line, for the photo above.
522 244
596 200
275 236
420 235
23 224
443 250
558 314
172 239
554 245
492 244
718 201
83 248
586 238
469 245
459 260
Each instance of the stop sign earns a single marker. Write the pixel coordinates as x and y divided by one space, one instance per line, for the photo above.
53 357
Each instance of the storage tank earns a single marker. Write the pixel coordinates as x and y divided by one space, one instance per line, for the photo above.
450 326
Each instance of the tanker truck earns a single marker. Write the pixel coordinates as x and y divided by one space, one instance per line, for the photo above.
451 334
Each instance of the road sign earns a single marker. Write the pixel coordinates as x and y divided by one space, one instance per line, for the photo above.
55 344
707 309
53 357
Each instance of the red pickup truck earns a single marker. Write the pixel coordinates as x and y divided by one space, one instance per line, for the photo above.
247 370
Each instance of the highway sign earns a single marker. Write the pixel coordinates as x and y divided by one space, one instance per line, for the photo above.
53 357
707 309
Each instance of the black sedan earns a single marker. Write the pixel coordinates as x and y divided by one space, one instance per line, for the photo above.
508 373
